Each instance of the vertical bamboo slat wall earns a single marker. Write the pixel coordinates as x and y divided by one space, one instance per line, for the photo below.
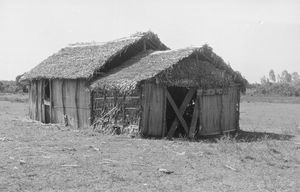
218 112
69 98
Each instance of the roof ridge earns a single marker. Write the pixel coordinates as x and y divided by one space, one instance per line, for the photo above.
96 43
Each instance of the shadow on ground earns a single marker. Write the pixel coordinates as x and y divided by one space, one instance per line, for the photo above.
247 136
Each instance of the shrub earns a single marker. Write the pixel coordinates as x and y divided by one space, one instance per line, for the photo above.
282 89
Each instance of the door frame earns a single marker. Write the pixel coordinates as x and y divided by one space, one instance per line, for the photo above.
46 102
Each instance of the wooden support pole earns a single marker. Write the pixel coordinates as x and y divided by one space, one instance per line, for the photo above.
141 110
91 107
42 91
194 119
182 108
51 102
123 106
221 115
177 112
200 112
238 109
76 103
63 103
164 107
37 101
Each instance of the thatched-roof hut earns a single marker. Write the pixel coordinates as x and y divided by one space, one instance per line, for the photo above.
137 82
59 86
186 91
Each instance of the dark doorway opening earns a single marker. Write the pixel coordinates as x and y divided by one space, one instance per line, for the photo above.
178 94
47 101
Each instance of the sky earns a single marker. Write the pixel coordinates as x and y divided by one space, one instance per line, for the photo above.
254 36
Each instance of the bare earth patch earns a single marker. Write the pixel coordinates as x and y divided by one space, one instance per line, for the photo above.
264 157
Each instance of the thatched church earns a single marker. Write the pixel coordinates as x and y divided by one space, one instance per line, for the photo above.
137 81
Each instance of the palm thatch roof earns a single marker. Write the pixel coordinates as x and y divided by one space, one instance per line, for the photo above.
189 67
84 60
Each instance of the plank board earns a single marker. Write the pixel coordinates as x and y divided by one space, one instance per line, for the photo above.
210 110
195 118
57 110
154 101
218 113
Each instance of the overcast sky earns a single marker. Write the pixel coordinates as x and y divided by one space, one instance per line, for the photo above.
254 36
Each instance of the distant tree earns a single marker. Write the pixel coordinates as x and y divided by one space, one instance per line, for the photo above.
264 80
272 76
279 79
2 87
20 85
286 76
295 76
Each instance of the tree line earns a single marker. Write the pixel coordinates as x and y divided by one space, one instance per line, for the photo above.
283 84
285 77
13 86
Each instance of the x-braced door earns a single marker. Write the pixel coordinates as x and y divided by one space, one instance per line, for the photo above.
189 127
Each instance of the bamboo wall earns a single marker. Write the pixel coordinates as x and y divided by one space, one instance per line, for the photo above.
111 108
70 102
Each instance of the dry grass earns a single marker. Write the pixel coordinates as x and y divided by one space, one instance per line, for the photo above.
37 157
20 97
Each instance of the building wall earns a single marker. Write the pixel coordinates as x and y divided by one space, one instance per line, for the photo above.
218 111
143 109
70 102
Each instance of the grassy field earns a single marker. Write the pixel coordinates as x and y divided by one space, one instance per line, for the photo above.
263 157
19 97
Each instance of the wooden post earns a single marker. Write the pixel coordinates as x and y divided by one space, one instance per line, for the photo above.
221 115
50 106
200 112
141 107
76 103
123 112
194 119
37 101
63 103
91 107
42 91
238 110
164 124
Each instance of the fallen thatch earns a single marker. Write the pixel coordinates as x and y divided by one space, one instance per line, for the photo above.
189 67
84 60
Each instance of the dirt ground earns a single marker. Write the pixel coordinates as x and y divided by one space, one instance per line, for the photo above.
264 157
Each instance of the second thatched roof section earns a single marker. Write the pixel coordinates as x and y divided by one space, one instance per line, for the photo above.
84 60
189 67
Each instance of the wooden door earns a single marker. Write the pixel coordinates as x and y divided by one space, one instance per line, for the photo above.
154 105
218 110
